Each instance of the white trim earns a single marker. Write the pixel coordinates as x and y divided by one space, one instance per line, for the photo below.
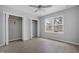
1 45
15 39
6 26
74 43
6 29
55 39
4 36
31 28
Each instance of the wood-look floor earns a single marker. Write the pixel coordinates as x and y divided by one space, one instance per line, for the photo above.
39 45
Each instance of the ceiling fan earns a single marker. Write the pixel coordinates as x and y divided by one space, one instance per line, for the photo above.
40 7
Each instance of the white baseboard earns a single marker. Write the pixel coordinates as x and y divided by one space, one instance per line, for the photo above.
2 45
74 43
15 39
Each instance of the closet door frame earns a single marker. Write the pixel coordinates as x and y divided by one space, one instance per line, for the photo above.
6 26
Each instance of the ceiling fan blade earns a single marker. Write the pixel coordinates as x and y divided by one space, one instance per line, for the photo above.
34 6
46 6
41 6
37 10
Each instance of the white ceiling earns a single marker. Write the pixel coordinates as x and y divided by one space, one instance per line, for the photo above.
30 10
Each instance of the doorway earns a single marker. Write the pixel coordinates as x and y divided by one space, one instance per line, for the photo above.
14 28
34 28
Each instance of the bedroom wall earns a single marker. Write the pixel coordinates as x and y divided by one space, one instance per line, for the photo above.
71 26
1 27
27 19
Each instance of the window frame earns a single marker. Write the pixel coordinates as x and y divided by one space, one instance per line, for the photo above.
52 19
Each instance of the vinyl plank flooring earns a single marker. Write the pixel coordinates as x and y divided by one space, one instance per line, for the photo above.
39 45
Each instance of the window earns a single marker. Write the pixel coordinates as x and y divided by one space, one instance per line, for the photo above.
55 24
48 25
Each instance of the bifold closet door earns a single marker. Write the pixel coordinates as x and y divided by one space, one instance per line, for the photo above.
15 29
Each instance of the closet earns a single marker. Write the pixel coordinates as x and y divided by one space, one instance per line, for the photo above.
15 28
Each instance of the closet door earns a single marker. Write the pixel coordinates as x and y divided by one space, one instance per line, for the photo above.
11 29
34 28
15 28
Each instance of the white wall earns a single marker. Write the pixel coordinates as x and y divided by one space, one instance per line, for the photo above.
1 27
71 26
26 24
